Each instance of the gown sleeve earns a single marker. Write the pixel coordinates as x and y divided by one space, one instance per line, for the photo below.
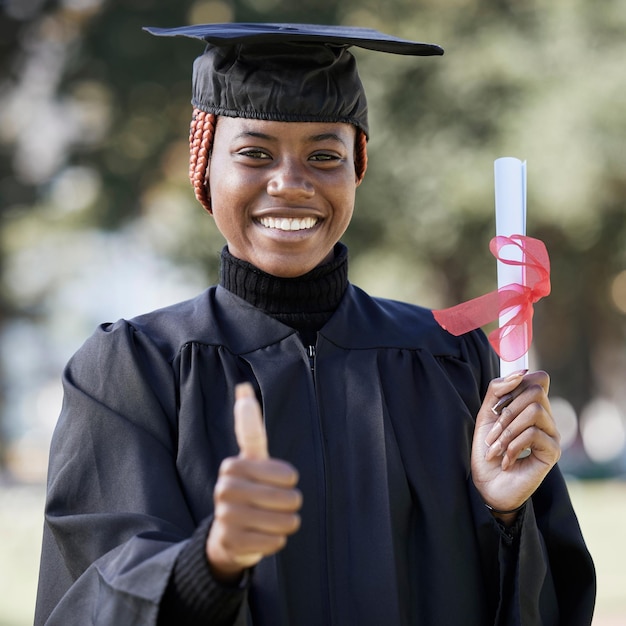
116 519
545 572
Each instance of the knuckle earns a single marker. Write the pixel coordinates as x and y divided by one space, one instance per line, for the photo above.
295 476
229 465
288 474
218 491
280 542
221 512
535 391
223 489
296 499
295 523
545 377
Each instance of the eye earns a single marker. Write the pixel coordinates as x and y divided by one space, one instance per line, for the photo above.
325 157
254 153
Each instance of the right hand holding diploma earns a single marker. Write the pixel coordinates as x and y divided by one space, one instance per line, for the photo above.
515 416
255 497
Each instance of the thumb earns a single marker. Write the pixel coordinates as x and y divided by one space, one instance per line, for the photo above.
249 428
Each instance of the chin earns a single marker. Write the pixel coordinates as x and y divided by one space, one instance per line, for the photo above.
286 266
288 269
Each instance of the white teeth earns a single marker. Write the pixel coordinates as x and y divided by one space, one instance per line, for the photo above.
288 223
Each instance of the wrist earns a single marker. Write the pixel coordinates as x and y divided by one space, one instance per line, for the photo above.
223 571
507 517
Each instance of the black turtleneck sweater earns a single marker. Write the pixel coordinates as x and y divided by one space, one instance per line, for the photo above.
305 303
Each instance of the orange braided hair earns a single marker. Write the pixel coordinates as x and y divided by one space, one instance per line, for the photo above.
201 134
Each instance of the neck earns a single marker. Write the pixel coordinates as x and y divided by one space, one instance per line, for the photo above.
304 303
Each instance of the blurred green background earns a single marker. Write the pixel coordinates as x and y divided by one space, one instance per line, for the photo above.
98 221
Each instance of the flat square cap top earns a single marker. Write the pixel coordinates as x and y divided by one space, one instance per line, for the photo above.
236 33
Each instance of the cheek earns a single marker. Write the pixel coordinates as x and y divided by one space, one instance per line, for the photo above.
346 200
224 191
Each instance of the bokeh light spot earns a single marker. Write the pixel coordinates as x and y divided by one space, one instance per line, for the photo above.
566 421
618 291
602 429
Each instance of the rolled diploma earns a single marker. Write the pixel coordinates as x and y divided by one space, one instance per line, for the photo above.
510 188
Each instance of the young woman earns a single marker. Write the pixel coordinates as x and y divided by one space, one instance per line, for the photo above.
384 485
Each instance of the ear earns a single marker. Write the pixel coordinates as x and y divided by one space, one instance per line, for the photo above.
209 208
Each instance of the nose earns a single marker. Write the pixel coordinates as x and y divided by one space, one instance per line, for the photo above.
289 179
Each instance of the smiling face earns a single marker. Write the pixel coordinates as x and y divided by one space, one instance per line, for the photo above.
282 193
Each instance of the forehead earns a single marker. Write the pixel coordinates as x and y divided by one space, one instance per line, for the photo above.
234 127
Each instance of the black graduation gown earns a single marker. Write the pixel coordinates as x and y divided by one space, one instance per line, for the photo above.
379 425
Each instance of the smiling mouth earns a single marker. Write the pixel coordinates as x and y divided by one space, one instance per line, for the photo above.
289 223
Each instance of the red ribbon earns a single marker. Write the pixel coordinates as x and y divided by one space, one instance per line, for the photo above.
512 340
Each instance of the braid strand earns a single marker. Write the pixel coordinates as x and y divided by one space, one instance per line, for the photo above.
201 134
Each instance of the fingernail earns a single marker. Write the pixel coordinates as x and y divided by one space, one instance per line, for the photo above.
502 402
494 433
494 451
517 374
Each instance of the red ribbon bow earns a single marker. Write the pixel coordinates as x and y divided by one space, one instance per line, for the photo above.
512 340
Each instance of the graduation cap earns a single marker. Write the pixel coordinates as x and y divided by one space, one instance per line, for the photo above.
286 72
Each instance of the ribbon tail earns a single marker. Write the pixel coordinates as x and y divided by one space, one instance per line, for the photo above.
469 315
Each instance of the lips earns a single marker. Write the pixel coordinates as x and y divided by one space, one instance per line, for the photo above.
288 223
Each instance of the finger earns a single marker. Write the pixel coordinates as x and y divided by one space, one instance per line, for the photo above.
245 518
228 546
249 560
540 378
249 429
506 400
248 548
544 448
532 418
507 389
537 412
243 536
273 472
240 491
498 388
529 407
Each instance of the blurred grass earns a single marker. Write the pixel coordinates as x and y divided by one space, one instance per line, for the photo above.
601 508
21 522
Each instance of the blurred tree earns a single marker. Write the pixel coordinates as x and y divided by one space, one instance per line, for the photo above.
519 79
94 115
14 192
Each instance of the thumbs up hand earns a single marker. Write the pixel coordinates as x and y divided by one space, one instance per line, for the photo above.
255 497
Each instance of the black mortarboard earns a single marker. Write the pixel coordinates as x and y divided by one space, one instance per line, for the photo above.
286 72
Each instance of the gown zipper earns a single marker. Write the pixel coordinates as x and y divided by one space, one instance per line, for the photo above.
327 608
311 354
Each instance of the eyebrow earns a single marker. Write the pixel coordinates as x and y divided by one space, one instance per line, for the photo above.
250 133
327 136
312 138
